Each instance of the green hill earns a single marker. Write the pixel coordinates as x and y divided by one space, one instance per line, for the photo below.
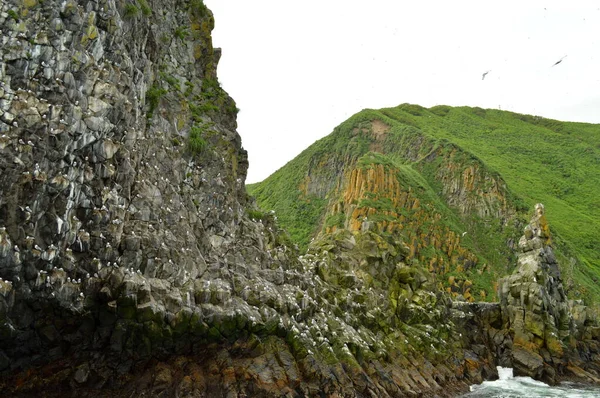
455 184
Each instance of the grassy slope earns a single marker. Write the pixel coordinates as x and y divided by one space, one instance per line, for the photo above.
301 214
541 160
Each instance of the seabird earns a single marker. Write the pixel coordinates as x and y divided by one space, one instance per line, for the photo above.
559 61
485 74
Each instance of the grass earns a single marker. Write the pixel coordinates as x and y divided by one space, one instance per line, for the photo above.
196 143
131 11
153 96
13 14
146 10
198 8
181 32
541 160
335 220
171 81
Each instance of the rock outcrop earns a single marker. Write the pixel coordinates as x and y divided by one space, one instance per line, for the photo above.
538 318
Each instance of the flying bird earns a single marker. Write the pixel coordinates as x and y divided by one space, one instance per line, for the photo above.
483 76
559 61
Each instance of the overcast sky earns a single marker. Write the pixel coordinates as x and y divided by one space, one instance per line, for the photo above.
297 69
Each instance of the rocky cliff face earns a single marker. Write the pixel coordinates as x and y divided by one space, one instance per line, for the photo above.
130 258
132 263
375 196
547 330
123 225
455 215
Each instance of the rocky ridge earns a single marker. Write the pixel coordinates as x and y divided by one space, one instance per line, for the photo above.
549 332
455 215
133 262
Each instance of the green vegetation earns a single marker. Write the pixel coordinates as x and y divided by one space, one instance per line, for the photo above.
130 11
211 89
198 8
336 220
300 215
181 32
231 108
373 158
196 142
189 88
212 98
153 96
538 160
13 14
542 160
171 80
146 10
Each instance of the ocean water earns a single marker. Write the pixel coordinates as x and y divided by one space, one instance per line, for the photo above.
508 386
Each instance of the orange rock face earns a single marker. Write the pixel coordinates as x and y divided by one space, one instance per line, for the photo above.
375 197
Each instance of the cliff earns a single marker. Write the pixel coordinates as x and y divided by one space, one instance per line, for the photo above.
133 263
548 331
475 174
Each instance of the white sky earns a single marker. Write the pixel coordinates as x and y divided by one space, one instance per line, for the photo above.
297 69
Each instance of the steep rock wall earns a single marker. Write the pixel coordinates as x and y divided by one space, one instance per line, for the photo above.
547 330
131 260
375 197
469 187
122 202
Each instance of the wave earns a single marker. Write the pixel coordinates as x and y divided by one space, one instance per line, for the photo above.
509 386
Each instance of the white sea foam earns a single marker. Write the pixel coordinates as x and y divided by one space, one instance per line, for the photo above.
504 373
509 386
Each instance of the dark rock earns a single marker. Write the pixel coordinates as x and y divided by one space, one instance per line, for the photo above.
527 363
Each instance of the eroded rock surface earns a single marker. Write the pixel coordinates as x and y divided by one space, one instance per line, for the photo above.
134 264
131 259
548 331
